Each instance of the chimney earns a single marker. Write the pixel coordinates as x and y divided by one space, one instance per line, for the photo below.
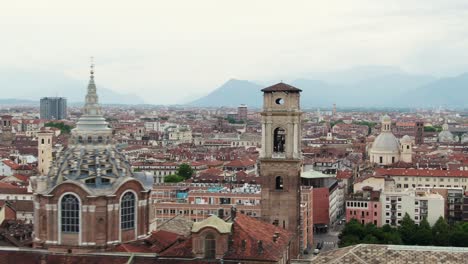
260 246
233 213
276 236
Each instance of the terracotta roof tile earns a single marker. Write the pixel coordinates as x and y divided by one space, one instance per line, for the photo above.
281 87
420 172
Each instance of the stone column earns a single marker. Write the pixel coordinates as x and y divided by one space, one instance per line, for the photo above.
289 140
295 142
268 138
262 153
92 222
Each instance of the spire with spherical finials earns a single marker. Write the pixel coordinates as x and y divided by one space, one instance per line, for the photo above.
92 104
92 122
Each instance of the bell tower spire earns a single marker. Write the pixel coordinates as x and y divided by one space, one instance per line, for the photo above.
92 101
91 128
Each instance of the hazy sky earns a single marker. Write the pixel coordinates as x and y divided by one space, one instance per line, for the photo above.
171 51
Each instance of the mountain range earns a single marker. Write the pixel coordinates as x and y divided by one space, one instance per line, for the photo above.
366 86
25 87
370 86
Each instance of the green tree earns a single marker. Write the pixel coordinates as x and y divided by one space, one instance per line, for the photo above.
349 240
441 233
173 178
65 129
459 235
370 239
185 171
407 230
423 235
352 233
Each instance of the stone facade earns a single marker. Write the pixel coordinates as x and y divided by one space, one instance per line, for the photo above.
99 218
44 159
280 160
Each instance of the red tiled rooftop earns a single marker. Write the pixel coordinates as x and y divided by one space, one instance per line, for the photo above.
281 87
240 163
421 172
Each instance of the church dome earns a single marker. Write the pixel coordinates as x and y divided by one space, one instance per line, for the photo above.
464 138
386 142
98 168
405 140
386 118
91 159
445 136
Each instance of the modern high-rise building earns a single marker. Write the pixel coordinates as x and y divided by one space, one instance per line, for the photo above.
53 108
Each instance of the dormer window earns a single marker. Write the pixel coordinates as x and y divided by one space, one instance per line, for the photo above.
210 246
91 181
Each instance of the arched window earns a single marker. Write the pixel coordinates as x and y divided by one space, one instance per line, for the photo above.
90 139
127 211
42 141
70 214
279 140
99 139
80 139
210 246
279 183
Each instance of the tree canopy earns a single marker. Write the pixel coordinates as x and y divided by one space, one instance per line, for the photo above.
408 233
185 171
64 128
173 178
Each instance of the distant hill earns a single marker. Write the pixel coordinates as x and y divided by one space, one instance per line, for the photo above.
18 102
23 85
380 87
448 92
233 93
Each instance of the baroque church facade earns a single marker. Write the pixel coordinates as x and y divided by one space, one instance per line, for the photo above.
88 199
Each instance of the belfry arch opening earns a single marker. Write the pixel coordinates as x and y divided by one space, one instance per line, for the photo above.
279 183
279 140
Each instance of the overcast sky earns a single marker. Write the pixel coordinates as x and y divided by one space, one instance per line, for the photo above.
171 51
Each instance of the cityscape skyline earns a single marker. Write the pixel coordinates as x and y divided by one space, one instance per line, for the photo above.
234 131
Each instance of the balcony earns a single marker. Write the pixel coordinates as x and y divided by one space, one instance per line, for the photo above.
278 155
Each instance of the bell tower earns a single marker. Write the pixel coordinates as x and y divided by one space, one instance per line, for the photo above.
44 148
280 159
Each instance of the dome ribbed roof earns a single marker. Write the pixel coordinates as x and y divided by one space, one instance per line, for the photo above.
91 159
386 142
405 139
